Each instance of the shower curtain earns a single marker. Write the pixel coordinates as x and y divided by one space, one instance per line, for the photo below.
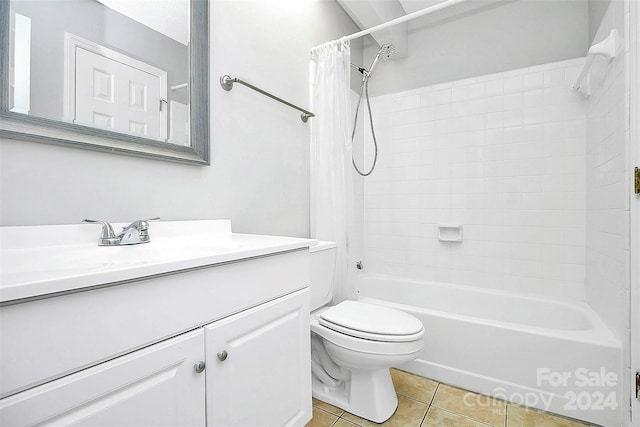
331 176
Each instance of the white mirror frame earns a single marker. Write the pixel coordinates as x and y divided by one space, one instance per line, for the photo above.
19 126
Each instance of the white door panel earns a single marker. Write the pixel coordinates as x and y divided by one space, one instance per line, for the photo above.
634 45
117 96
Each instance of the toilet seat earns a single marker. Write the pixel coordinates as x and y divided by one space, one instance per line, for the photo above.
371 322
362 345
356 340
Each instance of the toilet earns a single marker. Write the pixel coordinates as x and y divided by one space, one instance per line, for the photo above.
354 343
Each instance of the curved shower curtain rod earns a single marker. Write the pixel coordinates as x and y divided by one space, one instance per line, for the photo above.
408 17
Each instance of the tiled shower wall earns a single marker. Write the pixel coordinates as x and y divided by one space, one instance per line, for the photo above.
608 187
503 155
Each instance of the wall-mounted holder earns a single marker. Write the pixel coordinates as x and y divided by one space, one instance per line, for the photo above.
450 233
608 48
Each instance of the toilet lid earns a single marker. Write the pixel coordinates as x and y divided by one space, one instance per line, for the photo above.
372 322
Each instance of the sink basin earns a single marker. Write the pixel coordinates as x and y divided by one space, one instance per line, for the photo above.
36 261
76 259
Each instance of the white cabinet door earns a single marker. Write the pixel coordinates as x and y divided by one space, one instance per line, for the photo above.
155 386
265 379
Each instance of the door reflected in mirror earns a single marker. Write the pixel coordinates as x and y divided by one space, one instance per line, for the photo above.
116 65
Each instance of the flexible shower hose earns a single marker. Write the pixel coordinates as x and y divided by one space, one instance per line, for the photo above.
364 87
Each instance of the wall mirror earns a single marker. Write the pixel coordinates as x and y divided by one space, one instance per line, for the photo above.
124 76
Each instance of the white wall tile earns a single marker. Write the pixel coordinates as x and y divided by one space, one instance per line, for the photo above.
502 154
607 201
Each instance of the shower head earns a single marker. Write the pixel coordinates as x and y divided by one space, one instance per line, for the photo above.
386 51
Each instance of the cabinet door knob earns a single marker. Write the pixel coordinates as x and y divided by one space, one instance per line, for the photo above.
199 367
222 355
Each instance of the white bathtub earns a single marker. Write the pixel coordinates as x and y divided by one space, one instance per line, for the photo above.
544 353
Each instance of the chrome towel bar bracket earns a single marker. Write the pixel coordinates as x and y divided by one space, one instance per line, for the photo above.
227 84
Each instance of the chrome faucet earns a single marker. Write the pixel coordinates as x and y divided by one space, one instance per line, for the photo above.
133 234
136 232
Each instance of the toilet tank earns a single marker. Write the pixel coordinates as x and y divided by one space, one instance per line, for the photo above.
323 260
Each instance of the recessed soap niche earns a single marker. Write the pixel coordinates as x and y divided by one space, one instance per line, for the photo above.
450 233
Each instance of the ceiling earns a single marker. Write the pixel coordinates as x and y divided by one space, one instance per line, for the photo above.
368 14
411 6
169 17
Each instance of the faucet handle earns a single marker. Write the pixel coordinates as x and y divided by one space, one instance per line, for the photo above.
108 237
136 232
144 223
144 227
140 224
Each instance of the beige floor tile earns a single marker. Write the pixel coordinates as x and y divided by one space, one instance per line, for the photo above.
472 405
327 407
409 413
413 386
437 417
519 416
344 423
321 419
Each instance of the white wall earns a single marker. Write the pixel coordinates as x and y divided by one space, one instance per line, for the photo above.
608 187
505 36
597 10
503 155
260 149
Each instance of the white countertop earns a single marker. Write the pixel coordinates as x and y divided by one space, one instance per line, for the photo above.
40 260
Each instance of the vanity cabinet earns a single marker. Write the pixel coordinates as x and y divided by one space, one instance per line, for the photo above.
156 386
258 366
129 354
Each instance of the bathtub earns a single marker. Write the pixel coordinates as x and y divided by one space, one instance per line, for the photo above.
545 353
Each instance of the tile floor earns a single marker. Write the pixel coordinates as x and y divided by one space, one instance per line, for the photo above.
423 402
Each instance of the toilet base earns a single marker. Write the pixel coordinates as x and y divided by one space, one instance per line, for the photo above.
368 394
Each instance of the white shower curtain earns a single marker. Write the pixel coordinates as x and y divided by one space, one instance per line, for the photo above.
331 176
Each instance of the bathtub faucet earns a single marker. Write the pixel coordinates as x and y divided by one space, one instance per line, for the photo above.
133 234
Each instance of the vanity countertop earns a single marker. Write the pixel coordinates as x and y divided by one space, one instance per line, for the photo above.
41 260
